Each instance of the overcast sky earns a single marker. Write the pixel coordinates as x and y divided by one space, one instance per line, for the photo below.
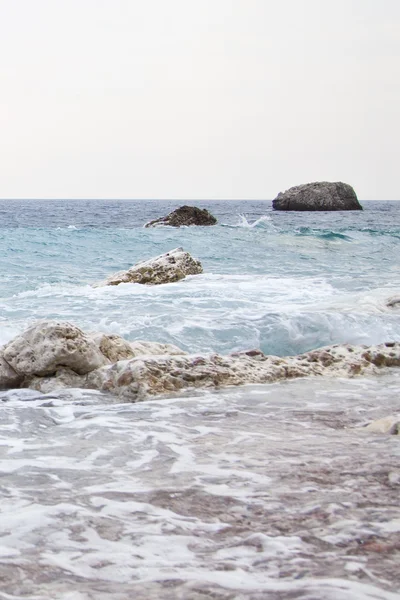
198 98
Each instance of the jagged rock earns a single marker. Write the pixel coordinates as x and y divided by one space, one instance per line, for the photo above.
53 355
166 268
49 345
113 346
185 215
8 377
144 376
322 195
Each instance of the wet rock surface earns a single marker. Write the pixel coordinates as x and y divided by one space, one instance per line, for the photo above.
56 355
320 195
166 268
49 345
185 216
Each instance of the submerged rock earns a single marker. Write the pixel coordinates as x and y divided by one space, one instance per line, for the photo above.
185 215
166 268
389 425
322 195
393 302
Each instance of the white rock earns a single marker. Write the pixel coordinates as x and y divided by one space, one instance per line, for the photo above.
152 375
49 345
166 268
140 348
389 424
116 348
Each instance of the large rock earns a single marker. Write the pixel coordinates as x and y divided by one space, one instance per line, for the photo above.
45 347
321 195
185 215
144 376
166 268
53 355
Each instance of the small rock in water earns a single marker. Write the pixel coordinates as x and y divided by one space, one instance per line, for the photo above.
166 268
320 195
393 302
185 216
390 425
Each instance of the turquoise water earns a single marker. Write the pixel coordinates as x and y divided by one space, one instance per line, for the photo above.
252 492
284 282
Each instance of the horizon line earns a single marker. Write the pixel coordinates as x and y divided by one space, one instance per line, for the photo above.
169 199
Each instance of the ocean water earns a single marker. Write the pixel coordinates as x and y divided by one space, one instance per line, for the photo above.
255 492
282 282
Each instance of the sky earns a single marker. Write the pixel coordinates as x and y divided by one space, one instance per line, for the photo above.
198 99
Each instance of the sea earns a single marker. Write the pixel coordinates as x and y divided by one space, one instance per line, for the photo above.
261 491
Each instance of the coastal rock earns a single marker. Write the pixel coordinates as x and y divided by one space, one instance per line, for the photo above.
145 376
322 195
53 355
116 348
166 268
185 215
8 377
113 347
62 379
389 425
49 345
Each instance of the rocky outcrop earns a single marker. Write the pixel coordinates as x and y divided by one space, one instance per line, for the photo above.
322 195
45 347
166 268
52 355
185 216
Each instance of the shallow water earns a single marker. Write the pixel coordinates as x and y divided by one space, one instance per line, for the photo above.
262 491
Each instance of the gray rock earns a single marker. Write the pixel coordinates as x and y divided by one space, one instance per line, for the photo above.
8 377
323 196
45 347
393 302
185 215
166 268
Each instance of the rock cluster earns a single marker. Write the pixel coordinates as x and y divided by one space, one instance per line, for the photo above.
185 216
166 268
322 195
52 355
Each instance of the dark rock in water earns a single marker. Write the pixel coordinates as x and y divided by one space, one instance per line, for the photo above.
394 302
185 215
320 195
